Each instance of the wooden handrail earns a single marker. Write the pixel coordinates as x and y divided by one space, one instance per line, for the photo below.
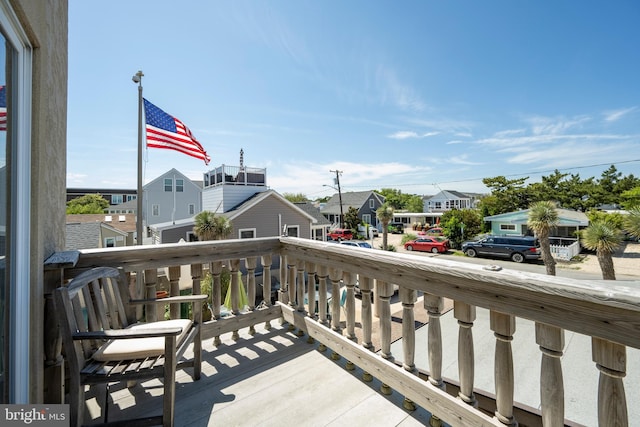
608 311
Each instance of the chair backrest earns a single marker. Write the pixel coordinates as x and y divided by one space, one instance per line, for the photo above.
95 300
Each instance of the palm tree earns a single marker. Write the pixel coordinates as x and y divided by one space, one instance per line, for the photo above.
602 237
632 222
384 215
210 226
543 217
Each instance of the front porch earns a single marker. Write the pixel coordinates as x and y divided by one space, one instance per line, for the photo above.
275 375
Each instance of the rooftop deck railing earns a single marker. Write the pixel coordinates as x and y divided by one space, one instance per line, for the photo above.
605 311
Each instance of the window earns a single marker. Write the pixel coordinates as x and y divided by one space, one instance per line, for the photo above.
155 210
192 209
372 203
109 242
247 233
179 185
366 218
438 205
293 231
131 197
507 227
168 185
116 199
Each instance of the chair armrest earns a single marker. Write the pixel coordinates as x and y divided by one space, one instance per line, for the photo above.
128 333
181 298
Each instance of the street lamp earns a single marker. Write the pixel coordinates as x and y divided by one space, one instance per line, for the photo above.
339 198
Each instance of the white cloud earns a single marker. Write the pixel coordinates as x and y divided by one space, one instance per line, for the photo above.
395 92
404 134
462 160
558 125
615 115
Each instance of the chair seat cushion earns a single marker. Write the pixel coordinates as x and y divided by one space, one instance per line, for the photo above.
138 348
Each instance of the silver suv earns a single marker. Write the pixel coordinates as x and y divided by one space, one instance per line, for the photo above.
516 248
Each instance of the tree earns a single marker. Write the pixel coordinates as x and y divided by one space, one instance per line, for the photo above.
543 217
507 195
385 216
414 204
602 237
630 198
351 219
87 204
210 226
461 225
295 198
632 222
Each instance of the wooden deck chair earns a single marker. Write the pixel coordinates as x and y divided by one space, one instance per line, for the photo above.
104 344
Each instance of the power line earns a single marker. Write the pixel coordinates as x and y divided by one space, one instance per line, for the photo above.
512 175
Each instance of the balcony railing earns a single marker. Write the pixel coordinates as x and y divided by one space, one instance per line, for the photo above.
605 311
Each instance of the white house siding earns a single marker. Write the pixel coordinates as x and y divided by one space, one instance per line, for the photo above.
223 198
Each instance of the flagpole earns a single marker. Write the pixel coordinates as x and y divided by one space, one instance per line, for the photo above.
137 78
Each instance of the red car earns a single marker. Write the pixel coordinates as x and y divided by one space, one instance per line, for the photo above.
427 244
340 234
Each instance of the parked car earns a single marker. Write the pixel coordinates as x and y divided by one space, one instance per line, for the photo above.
340 234
396 228
427 244
516 248
434 231
357 243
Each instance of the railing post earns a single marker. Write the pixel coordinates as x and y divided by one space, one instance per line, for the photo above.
174 290
350 304
466 315
216 288
366 314
196 277
311 288
322 294
434 306
283 294
251 264
335 276
503 327
408 298
150 286
385 291
234 267
551 342
266 284
291 281
300 286
611 361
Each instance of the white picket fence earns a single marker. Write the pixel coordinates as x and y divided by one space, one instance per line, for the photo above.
565 253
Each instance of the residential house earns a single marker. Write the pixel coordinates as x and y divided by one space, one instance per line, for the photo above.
123 224
240 194
90 235
171 197
446 200
365 202
115 196
569 222
320 228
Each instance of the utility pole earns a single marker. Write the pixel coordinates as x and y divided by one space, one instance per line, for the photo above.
337 182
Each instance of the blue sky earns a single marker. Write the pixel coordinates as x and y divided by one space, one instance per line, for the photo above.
414 95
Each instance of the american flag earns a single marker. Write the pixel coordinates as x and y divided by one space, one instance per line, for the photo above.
165 131
3 108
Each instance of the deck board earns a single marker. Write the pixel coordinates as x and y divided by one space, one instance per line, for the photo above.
271 379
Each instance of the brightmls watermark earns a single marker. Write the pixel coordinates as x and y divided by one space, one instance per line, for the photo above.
34 415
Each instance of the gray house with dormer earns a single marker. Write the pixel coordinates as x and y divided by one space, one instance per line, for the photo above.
366 202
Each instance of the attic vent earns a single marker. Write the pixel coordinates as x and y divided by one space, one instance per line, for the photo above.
121 218
107 218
